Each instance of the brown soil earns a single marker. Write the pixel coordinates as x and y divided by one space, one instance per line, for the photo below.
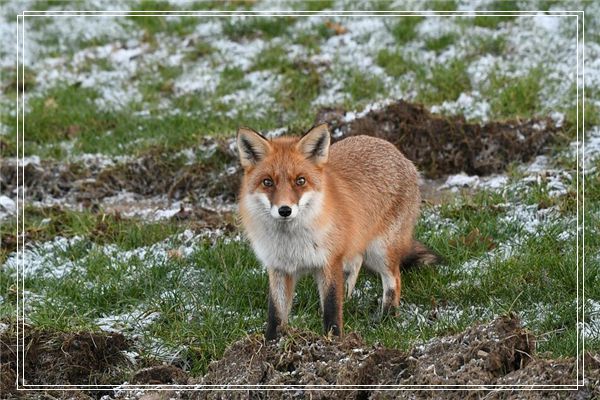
500 352
441 145
155 173
55 358
160 374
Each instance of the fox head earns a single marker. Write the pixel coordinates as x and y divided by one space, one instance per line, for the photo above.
283 177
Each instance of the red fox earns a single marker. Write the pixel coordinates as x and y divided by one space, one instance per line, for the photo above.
308 207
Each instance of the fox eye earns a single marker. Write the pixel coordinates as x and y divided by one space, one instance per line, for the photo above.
300 181
267 182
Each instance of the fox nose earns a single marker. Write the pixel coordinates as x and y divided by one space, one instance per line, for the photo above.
285 211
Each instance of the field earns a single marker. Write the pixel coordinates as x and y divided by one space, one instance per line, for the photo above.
129 257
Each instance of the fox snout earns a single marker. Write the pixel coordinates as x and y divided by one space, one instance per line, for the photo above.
284 211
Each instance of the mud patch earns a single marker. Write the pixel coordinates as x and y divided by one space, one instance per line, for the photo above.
501 352
55 358
441 145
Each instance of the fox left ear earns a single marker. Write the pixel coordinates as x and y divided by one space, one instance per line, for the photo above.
315 144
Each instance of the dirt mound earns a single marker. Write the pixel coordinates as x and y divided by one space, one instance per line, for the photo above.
55 358
154 173
441 145
497 353
500 352
160 374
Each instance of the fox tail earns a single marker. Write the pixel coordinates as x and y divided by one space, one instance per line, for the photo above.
420 255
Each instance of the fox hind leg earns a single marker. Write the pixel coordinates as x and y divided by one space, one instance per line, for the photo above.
383 256
392 285
351 270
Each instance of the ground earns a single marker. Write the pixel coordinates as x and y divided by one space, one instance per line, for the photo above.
129 257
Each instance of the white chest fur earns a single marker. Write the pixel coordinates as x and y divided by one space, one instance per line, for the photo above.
292 246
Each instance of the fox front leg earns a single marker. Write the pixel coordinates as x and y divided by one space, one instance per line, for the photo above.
281 294
331 291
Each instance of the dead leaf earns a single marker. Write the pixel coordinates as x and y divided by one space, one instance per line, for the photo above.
50 104
336 27
175 254
72 131
473 238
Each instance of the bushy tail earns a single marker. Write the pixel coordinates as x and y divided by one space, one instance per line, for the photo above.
420 255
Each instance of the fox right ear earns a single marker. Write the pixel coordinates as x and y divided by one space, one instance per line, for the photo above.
252 146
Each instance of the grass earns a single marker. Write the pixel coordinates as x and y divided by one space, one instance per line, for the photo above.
442 5
440 43
152 25
515 97
492 21
251 27
495 45
395 64
362 86
314 5
446 82
404 28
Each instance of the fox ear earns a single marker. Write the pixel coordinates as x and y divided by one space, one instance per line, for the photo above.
252 146
315 144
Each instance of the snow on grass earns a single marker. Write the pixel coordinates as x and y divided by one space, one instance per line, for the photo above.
52 259
591 327
131 322
258 96
46 259
588 151
473 106
8 207
442 317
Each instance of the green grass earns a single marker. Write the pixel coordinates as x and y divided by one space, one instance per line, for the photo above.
395 64
362 86
492 21
442 5
300 86
490 45
65 112
404 28
313 5
440 43
446 82
273 58
252 27
152 25
515 98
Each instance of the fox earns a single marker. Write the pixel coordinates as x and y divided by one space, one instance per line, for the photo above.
310 207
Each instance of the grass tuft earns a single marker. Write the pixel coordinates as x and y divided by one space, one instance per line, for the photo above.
404 28
440 43
361 86
492 21
252 27
394 63
515 97
446 82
